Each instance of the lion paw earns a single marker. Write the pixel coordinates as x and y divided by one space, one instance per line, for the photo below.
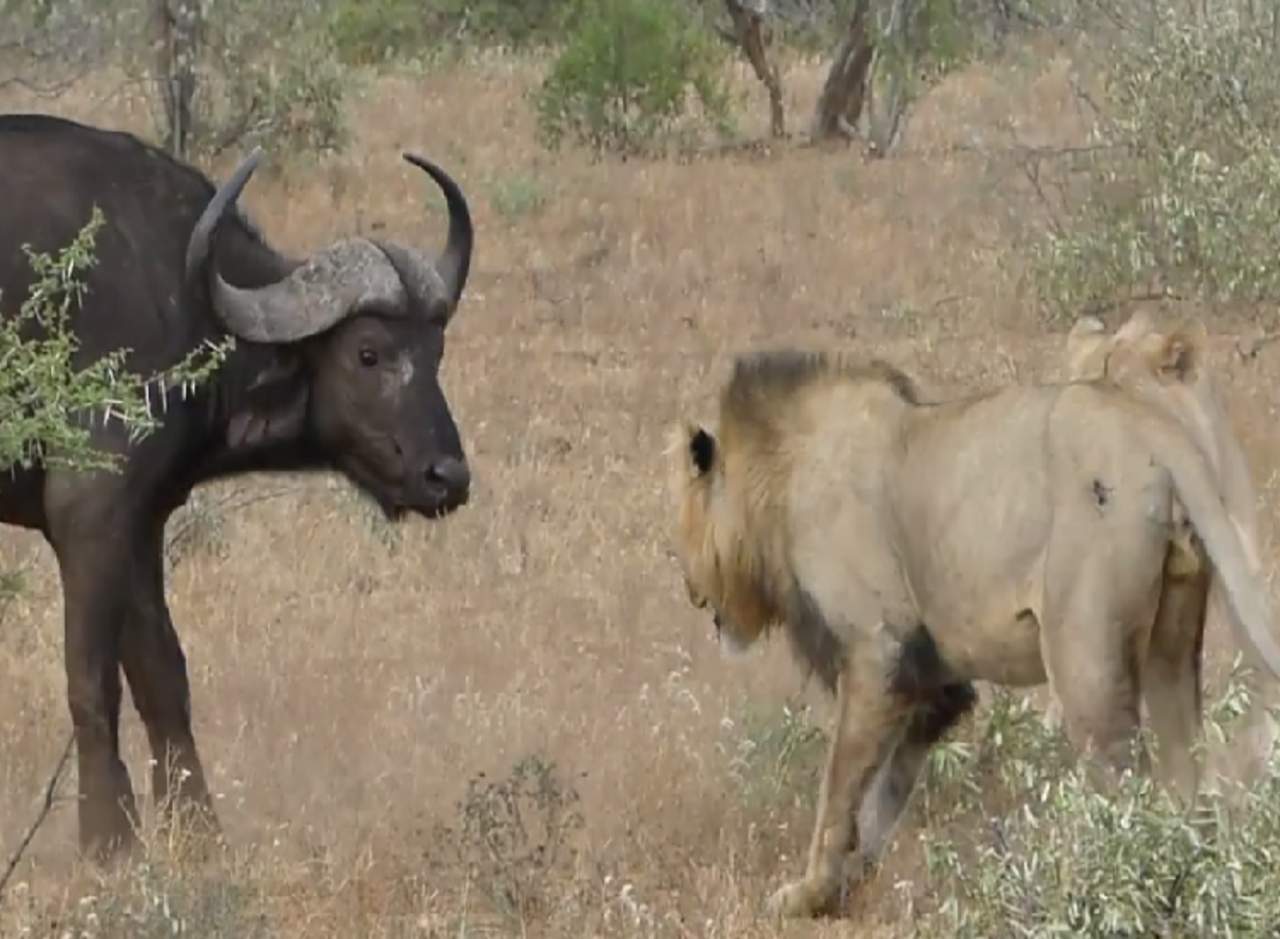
798 899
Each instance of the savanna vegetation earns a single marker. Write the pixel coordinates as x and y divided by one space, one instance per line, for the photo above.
511 722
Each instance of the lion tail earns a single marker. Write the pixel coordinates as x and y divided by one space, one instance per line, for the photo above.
1247 598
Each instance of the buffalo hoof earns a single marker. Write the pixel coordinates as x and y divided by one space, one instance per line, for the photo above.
802 899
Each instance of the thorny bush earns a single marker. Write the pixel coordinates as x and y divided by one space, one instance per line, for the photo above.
514 836
1069 860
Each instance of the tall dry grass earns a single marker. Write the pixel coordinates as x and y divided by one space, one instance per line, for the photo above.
350 680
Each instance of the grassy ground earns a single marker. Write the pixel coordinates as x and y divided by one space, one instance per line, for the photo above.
351 680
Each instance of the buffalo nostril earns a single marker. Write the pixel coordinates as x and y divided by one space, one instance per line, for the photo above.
453 473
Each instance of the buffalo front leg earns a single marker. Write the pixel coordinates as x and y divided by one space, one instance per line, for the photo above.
868 720
94 578
157 672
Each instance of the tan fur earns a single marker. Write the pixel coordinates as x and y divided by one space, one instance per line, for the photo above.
1166 368
1017 537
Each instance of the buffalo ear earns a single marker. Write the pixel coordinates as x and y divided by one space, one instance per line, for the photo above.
702 448
274 410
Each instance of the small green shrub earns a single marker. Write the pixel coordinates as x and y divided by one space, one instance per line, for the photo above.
371 31
777 756
1184 191
47 403
270 74
518 195
368 32
262 72
1069 860
199 525
508 22
627 74
154 899
515 836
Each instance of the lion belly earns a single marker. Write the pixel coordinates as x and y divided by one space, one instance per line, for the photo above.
973 508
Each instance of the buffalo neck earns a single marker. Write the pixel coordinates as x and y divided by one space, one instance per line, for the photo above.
260 387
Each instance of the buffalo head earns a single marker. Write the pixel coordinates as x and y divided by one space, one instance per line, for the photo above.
365 321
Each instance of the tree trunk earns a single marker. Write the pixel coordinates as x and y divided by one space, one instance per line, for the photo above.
748 27
178 23
845 90
886 125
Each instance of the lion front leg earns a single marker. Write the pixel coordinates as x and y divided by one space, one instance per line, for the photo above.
867 721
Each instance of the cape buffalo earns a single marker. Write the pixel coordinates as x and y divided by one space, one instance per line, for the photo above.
335 365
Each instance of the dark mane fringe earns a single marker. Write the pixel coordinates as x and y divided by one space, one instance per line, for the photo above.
764 381
815 646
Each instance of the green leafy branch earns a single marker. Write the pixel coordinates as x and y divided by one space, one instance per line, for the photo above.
47 402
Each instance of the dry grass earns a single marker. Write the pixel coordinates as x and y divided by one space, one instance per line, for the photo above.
348 682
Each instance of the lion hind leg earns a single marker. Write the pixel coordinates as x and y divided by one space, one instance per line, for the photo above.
1171 681
1094 641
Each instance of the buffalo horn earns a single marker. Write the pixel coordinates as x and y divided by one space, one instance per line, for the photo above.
314 297
201 240
321 291
454 263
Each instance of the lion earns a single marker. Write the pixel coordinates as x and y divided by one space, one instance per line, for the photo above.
1167 369
909 548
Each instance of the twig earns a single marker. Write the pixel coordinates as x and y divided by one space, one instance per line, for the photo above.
236 500
49 791
1031 169
1248 348
51 90
1082 95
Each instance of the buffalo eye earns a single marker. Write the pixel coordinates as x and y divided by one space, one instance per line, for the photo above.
368 357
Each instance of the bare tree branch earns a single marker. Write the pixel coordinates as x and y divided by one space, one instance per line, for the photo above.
234 501
751 37
51 90
49 792
844 91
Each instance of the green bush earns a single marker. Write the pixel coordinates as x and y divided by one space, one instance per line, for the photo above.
507 22
371 31
627 74
1071 861
269 73
157 898
374 31
47 403
1184 190
776 756
518 195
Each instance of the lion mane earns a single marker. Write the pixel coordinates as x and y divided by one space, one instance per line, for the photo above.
730 524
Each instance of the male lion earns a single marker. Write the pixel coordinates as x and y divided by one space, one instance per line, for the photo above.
909 548
1167 369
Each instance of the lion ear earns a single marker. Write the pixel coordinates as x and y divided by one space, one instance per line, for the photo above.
1181 355
702 448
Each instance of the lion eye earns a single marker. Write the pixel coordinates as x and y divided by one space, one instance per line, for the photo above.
368 357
